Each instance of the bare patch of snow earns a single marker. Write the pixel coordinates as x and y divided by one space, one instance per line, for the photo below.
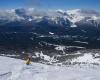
87 58
51 33
60 48
42 56
81 42
30 19
73 25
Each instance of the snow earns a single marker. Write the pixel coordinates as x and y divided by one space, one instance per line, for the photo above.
42 56
60 10
75 11
51 33
76 47
81 42
73 25
45 57
84 31
73 16
15 69
60 48
8 55
76 15
94 17
78 53
87 58
96 55
29 19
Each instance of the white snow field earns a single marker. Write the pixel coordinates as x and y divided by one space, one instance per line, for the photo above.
15 69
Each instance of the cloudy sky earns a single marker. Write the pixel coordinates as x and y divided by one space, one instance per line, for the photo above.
51 4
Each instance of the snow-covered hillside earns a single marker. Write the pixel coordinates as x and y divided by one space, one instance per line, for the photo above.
14 69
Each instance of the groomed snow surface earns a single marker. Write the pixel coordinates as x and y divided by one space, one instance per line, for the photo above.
15 69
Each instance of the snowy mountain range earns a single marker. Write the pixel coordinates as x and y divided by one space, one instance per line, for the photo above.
67 18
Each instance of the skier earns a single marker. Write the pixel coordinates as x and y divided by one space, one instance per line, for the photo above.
29 59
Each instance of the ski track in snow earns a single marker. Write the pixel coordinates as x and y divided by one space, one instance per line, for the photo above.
15 69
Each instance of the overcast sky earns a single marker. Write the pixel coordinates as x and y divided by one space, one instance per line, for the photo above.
51 4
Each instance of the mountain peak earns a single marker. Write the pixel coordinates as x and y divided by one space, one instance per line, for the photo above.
74 11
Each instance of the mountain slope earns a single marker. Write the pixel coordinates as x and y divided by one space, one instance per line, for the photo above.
19 71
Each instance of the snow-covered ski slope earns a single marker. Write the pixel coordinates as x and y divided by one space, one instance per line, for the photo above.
14 69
